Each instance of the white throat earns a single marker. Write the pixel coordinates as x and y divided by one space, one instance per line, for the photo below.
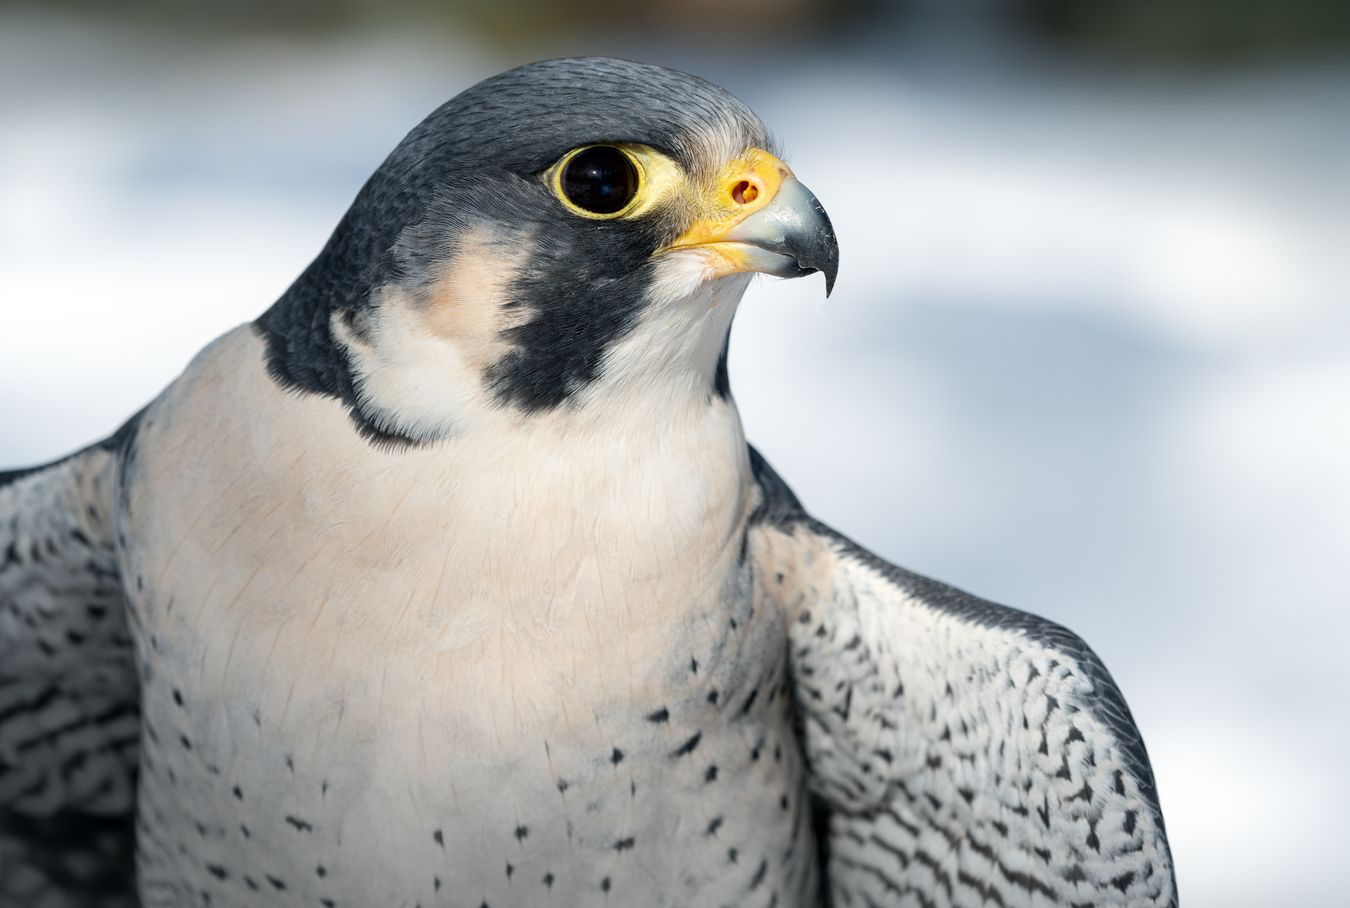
421 360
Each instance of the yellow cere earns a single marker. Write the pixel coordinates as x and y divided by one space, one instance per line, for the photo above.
744 186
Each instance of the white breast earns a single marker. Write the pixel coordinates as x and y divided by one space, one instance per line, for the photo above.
308 595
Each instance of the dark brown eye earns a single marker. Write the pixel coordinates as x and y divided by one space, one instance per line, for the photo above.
600 180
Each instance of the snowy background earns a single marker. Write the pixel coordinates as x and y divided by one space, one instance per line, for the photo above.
1089 352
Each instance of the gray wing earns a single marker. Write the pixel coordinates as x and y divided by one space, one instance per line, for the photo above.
961 753
69 700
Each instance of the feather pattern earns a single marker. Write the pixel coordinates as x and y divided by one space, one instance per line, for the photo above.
962 753
69 713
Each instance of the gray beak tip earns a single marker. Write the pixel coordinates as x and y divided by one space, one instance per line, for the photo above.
819 247
830 265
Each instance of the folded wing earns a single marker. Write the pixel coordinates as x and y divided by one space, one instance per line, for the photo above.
962 753
69 713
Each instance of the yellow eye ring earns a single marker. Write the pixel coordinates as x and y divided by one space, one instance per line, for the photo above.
600 182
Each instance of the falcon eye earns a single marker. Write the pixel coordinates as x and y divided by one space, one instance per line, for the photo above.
600 180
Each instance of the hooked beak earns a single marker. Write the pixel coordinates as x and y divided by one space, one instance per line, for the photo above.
762 219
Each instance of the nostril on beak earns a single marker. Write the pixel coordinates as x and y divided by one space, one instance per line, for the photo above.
744 192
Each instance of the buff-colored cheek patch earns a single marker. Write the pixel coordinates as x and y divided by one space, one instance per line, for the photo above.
469 307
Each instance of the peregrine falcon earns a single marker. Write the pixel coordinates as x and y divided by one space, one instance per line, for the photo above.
452 581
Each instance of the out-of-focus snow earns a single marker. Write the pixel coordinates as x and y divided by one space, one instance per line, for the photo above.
1089 352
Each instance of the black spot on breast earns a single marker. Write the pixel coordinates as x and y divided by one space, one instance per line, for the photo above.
749 702
687 747
759 875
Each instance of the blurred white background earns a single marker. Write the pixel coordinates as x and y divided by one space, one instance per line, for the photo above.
1089 352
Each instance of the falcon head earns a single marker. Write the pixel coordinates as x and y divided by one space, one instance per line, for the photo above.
563 237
